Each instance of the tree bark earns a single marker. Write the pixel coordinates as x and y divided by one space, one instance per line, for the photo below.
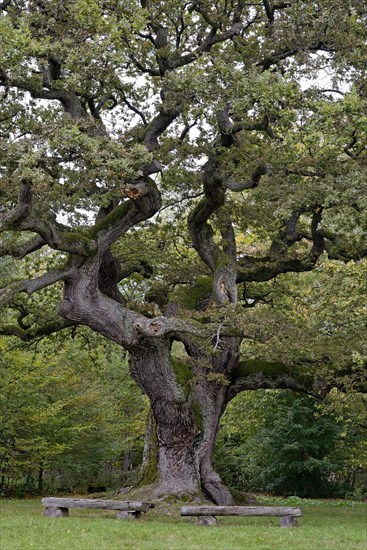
212 397
211 391
183 423
186 413
174 421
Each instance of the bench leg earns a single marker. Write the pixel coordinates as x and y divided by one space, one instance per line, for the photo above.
207 520
288 521
129 515
55 512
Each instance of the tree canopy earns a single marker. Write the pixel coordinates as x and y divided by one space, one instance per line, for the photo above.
163 164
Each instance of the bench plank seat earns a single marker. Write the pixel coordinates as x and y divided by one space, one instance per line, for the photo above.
288 515
57 507
239 511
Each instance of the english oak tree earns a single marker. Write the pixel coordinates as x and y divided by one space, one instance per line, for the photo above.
189 149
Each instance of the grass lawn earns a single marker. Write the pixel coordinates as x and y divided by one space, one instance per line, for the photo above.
328 525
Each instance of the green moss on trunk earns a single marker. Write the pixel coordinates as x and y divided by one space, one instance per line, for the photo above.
149 469
195 296
183 374
198 415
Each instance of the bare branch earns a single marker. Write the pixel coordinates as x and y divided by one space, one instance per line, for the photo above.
279 55
205 46
332 91
133 108
142 68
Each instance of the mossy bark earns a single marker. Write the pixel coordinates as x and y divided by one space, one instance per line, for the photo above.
149 468
183 423
173 419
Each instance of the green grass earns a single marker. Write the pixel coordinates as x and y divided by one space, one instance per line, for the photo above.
327 525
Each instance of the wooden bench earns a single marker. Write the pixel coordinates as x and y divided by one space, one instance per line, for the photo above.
288 516
59 507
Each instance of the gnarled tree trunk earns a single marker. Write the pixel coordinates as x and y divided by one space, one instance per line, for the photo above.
183 422
172 429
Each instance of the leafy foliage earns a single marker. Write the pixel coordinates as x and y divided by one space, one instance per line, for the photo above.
71 416
291 445
315 318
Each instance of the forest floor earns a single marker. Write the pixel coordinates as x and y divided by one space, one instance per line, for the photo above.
324 525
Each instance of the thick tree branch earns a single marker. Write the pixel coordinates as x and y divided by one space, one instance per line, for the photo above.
265 269
261 381
5 4
261 170
200 231
49 232
269 10
30 286
288 236
229 240
159 124
22 218
34 333
21 250
22 211
83 303
69 100
220 261
258 374
145 201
